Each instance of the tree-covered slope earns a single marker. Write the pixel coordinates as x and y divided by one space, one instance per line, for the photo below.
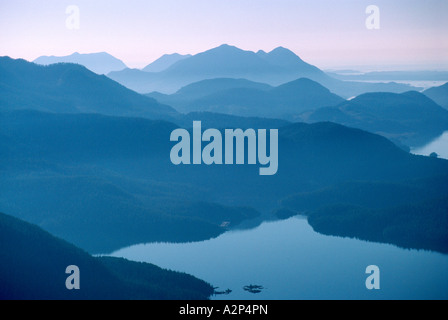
34 264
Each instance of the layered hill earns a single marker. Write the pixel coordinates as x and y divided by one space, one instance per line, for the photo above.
164 62
107 182
246 98
70 88
439 95
100 63
274 68
34 264
410 118
82 156
75 170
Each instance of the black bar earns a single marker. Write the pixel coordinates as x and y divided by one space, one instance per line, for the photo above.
240 309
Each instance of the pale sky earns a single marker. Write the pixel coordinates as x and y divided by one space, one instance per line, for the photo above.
326 33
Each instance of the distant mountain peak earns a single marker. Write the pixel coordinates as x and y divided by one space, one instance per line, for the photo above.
303 84
226 48
172 55
225 45
420 97
280 49
165 62
284 53
225 61
99 62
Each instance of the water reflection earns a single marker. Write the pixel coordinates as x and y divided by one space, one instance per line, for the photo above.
294 262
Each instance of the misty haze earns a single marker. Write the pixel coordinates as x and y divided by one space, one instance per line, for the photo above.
276 161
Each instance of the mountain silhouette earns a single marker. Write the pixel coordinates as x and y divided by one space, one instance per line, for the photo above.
274 68
164 62
70 88
100 63
224 61
303 94
283 57
438 94
411 117
206 87
23 245
246 98
190 93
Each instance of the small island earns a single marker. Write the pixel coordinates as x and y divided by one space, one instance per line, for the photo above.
217 293
253 288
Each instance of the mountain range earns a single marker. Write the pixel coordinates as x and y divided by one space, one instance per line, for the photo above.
100 63
70 88
274 68
411 118
85 164
87 159
246 98
164 62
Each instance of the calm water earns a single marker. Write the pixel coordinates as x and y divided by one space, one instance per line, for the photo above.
415 83
291 261
439 146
